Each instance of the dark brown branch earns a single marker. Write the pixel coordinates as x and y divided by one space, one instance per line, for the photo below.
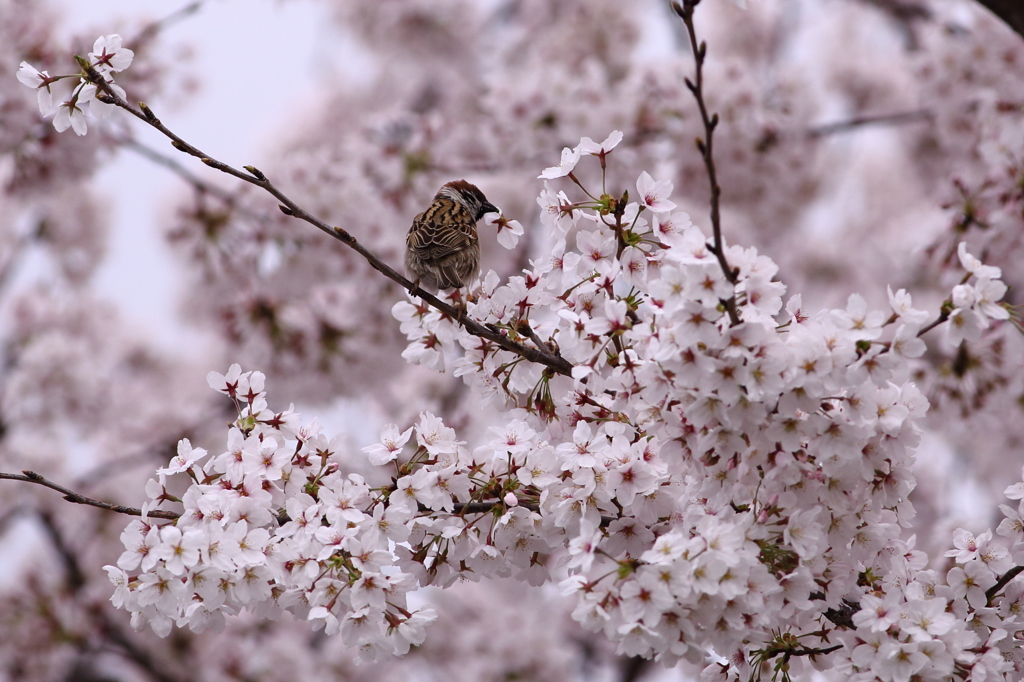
255 177
130 650
14 256
525 329
814 652
1010 11
905 14
72 496
901 10
991 592
685 11
879 119
75 575
178 169
633 668
153 29
113 632
943 316
201 186
843 616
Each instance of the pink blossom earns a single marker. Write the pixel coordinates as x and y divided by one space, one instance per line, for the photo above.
653 195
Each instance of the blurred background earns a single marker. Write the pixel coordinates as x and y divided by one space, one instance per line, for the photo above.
861 140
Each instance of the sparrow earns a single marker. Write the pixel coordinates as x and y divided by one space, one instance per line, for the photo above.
442 250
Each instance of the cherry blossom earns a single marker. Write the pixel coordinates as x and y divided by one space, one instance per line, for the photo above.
41 81
653 194
756 475
107 57
570 157
711 445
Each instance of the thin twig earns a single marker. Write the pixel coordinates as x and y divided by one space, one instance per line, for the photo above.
14 257
72 496
201 186
902 10
867 120
178 169
633 668
484 507
151 30
254 176
75 575
524 328
943 316
76 579
685 11
131 650
842 616
814 652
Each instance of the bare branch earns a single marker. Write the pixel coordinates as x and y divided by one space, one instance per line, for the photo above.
685 11
991 592
154 28
74 574
902 10
178 169
15 254
898 118
254 176
943 316
113 632
72 496
633 668
202 187
525 329
816 652
843 616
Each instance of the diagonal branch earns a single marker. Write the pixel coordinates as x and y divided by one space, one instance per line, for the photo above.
154 28
72 496
254 176
197 183
991 592
111 630
897 118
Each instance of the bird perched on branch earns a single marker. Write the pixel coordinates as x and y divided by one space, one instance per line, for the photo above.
442 250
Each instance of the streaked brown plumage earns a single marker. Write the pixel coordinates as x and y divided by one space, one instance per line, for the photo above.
442 248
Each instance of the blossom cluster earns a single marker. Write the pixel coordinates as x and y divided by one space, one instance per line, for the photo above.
299 312
530 79
107 58
918 622
699 483
274 523
717 481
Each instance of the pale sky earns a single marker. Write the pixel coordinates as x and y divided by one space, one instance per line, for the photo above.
256 61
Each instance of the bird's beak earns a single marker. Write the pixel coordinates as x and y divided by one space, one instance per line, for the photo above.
488 207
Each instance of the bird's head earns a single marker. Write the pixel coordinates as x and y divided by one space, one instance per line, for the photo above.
470 196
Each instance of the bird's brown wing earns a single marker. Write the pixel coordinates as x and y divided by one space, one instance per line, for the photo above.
443 229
